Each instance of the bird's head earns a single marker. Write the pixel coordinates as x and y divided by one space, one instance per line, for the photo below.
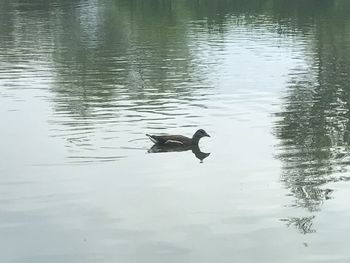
200 134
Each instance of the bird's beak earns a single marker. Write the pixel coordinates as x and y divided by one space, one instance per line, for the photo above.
207 135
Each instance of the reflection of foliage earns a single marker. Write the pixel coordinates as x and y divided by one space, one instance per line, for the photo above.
136 50
309 196
303 224
314 125
102 51
133 46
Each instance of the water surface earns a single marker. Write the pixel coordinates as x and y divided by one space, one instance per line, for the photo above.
81 82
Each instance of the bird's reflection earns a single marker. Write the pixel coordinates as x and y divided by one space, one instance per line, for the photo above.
194 148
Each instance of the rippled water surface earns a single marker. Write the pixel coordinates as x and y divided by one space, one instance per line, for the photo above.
82 82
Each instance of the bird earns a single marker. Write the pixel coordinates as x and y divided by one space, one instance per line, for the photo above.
178 140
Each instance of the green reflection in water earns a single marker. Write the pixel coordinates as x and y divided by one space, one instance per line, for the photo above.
313 126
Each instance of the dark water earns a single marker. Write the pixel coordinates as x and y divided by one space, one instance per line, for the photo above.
81 82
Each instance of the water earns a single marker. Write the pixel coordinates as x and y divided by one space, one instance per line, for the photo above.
81 82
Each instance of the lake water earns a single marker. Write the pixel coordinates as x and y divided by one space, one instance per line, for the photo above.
82 82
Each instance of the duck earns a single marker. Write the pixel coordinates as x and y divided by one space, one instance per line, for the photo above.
178 140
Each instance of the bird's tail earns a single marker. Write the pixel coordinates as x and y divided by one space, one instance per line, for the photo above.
152 138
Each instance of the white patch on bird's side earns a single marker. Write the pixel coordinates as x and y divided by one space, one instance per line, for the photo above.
173 142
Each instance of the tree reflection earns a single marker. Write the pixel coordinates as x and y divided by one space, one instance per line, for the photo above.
313 127
303 224
135 52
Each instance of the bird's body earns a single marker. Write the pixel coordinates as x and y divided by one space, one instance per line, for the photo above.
180 140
